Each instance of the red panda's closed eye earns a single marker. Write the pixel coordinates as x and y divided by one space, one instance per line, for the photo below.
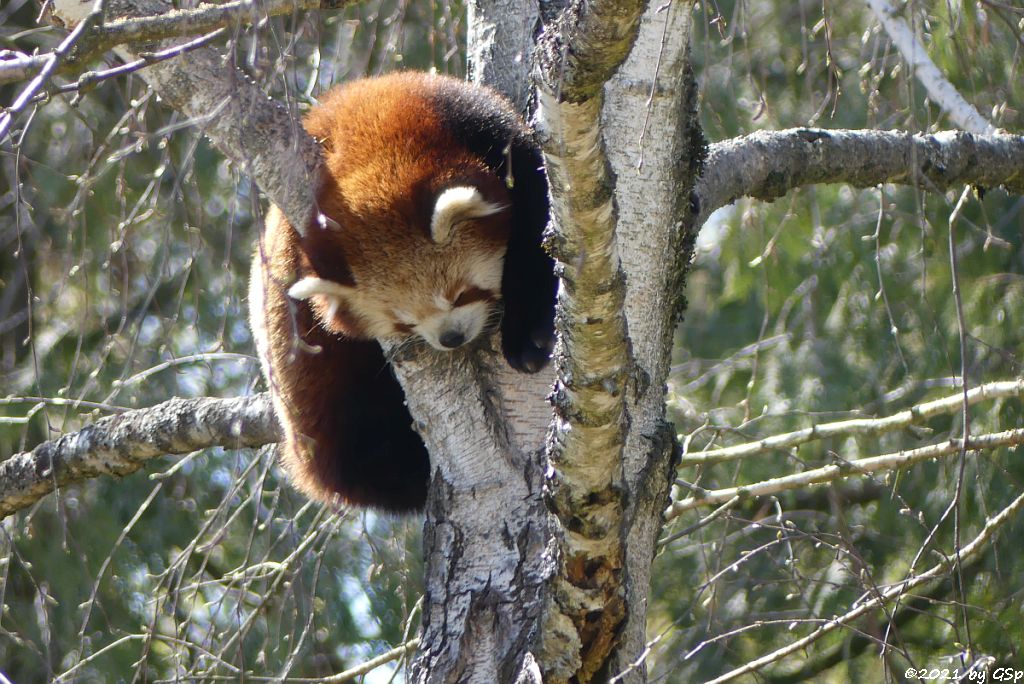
474 294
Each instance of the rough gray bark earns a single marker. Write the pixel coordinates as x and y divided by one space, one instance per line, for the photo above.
486 534
121 444
499 39
768 164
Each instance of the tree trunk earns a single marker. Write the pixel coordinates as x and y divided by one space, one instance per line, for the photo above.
499 606
655 146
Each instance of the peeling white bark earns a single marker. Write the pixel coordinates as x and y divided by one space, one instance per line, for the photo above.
650 130
622 243
594 367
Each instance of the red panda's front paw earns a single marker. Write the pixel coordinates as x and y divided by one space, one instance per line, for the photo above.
528 353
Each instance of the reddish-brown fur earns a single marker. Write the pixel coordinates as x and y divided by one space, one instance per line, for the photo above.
388 155
389 152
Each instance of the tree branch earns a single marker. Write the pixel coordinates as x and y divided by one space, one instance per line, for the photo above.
400 651
97 39
857 426
767 165
49 65
594 366
579 53
121 444
17 66
938 571
938 86
201 19
907 610
843 469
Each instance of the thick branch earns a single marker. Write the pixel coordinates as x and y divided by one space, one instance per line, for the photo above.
768 165
581 51
594 365
499 42
121 444
16 66
201 19
259 134
486 534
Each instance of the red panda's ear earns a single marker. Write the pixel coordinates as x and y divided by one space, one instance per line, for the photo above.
333 296
455 205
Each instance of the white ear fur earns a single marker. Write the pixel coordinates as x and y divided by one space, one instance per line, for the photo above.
309 287
458 204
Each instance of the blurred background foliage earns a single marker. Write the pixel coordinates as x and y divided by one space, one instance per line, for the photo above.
124 249
835 302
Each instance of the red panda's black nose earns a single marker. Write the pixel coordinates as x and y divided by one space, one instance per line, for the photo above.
452 339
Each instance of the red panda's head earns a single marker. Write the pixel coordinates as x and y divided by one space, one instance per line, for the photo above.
441 281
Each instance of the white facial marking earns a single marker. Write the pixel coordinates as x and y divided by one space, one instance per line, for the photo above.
458 204
405 317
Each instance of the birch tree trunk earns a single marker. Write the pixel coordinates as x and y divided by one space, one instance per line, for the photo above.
507 599
655 147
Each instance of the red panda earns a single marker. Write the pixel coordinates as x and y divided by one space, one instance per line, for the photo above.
435 202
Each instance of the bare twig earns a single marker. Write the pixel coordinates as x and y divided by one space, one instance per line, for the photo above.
90 78
373 663
17 66
74 404
836 471
954 505
890 593
262 136
938 86
94 17
859 426
703 522
184 360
